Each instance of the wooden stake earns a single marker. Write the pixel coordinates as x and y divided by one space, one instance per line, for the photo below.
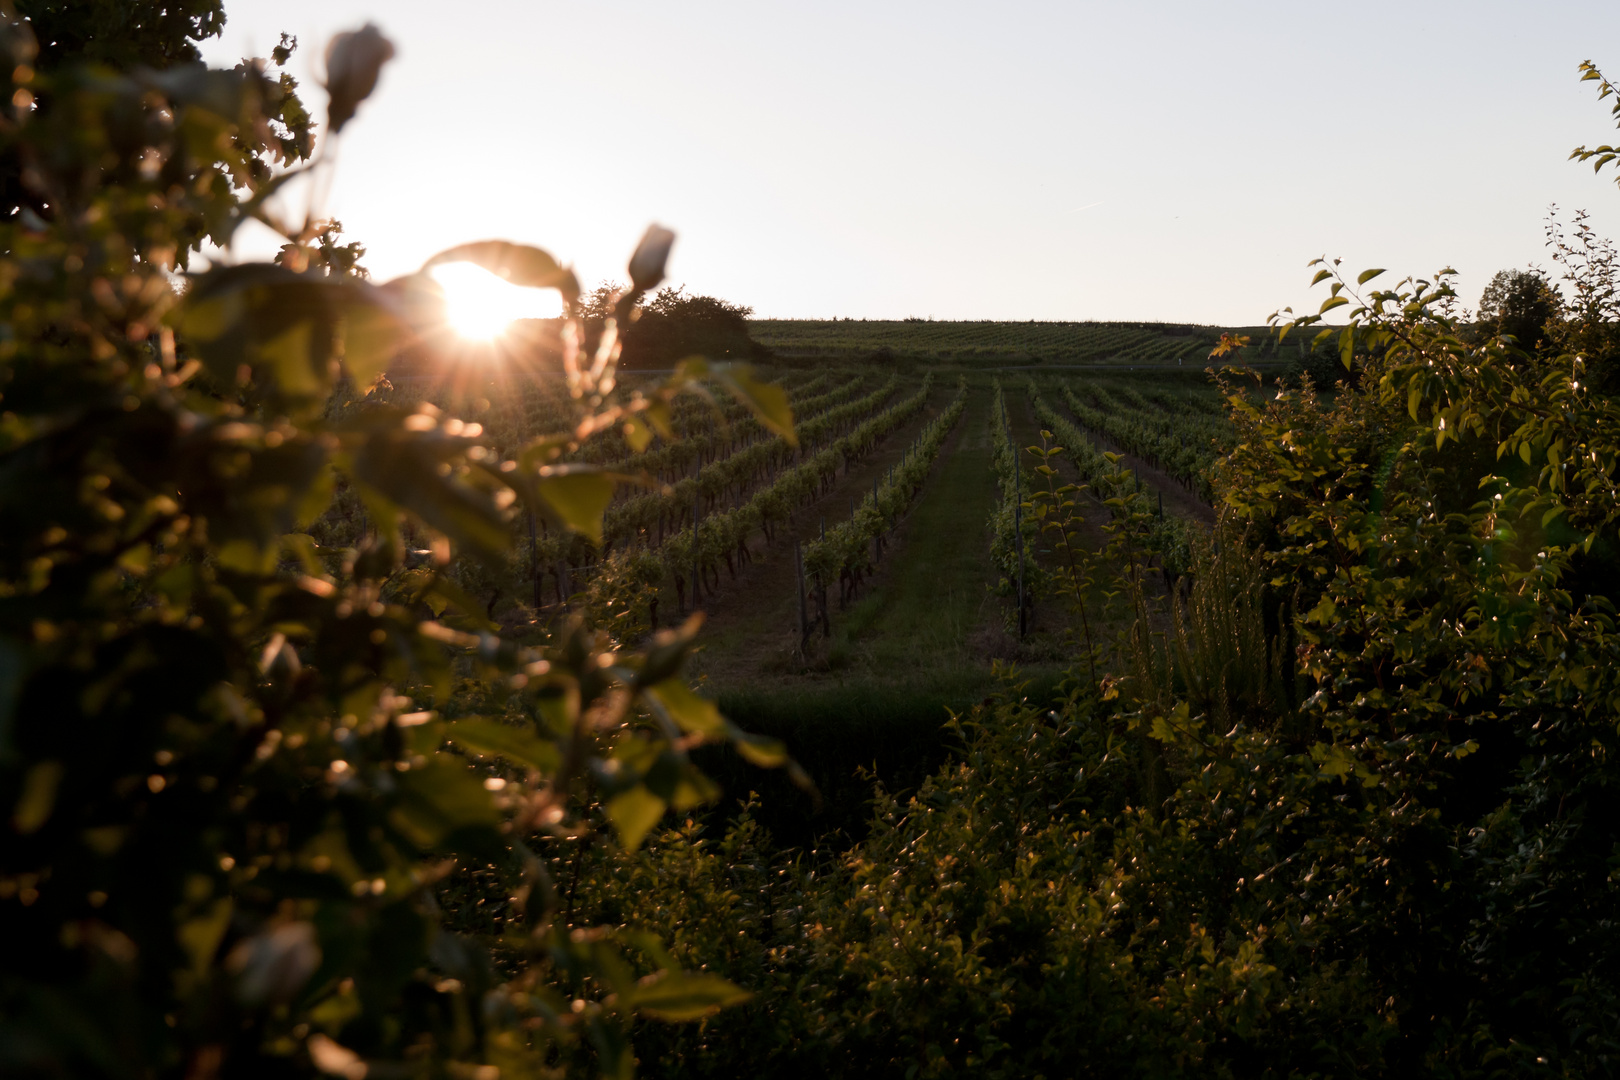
1018 521
697 507
804 608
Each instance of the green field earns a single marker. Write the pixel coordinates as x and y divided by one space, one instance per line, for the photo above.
997 342
990 343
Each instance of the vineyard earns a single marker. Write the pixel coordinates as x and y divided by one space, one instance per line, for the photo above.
392 688
970 342
808 549
989 344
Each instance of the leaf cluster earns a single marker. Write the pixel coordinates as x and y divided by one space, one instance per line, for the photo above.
239 767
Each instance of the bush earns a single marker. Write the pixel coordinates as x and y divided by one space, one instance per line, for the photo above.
243 773
674 325
1353 813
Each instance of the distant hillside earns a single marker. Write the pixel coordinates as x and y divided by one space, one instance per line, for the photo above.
1000 342
1004 342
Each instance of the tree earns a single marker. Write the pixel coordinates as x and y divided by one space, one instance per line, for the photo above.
1590 327
154 41
122 34
1520 304
673 325
243 774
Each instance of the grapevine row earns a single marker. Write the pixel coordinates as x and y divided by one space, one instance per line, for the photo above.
638 569
1180 445
1172 537
851 548
1013 533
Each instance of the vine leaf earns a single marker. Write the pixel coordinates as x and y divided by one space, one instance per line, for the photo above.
577 498
634 812
519 264
684 995
767 401
520 746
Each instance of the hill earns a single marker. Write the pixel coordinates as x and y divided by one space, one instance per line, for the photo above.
992 342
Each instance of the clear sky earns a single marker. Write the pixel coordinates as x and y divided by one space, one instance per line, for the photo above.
1177 161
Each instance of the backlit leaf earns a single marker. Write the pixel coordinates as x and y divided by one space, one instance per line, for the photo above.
761 750
372 336
633 814
518 263
518 745
692 714
38 797
767 401
684 995
578 499
439 799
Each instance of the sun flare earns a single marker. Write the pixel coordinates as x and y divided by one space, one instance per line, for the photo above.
480 306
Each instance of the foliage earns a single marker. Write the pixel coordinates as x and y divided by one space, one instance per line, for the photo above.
1590 327
1519 304
1013 528
851 548
674 324
122 34
1140 526
244 773
1354 816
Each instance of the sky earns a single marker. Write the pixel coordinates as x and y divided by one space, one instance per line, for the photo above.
1177 161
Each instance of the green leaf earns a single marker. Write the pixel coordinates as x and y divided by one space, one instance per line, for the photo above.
1332 302
767 401
518 263
439 799
518 745
266 317
449 594
637 433
1368 275
668 652
373 334
200 937
1347 346
761 750
246 557
683 995
633 814
578 497
1321 276
403 467
692 714
658 415
38 797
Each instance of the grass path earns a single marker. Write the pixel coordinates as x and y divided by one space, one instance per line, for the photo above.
922 607
933 593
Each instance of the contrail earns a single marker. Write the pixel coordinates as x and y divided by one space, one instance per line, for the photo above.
1088 206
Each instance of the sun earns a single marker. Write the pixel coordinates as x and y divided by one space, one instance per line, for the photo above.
481 306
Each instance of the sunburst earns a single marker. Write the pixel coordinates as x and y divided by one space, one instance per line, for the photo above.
480 306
